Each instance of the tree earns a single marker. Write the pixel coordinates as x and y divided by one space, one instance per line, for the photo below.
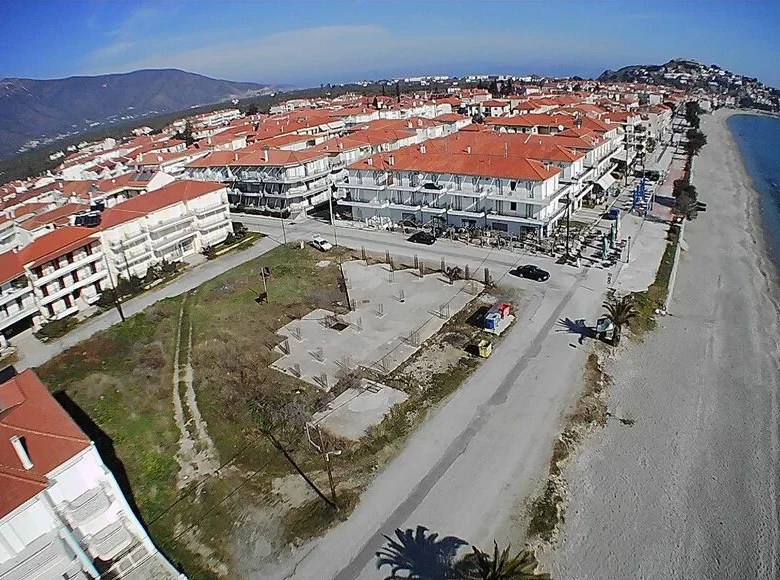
421 555
375 103
384 86
500 565
695 141
397 91
277 415
508 88
687 206
186 134
252 109
493 89
692 112
620 311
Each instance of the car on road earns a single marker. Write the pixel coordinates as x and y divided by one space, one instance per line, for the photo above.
532 272
422 238
323 245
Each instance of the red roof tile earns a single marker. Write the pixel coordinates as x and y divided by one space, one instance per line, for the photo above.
10 266
49 435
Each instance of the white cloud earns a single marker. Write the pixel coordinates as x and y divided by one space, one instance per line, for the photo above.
335 51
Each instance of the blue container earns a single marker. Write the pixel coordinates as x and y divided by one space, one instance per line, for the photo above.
492 320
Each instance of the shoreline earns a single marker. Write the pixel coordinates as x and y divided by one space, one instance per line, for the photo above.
690 488
769 270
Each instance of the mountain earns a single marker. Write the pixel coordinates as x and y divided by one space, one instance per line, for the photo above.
33 112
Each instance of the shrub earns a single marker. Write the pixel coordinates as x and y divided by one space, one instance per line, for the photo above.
57 328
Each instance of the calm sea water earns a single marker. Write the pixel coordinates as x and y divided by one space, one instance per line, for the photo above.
758 139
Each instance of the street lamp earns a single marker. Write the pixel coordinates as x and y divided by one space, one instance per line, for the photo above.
568 224
332 221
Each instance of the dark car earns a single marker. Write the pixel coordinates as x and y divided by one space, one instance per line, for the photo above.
532 272
422 238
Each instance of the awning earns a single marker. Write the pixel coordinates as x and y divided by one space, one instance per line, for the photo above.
606 181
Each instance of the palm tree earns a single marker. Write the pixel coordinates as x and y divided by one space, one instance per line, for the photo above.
619 311
419 555
500 566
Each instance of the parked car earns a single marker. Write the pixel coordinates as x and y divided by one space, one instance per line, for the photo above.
422 238
323 245
613 213
532 272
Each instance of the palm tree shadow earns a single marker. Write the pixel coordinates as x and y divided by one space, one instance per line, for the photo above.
578 327
418 554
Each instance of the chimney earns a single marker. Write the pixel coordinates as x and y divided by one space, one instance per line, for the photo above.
468 149
370 161
409 125
265 153
422 148
21 452
341 146
235 156
419 122
391 160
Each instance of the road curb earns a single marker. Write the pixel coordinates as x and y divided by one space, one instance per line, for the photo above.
673 275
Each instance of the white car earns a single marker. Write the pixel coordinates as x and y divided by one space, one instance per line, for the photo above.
321 243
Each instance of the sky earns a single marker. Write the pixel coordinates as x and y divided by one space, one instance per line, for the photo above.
305 43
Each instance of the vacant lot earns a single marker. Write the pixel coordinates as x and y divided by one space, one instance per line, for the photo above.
229 521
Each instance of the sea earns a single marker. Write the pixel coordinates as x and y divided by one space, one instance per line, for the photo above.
758 139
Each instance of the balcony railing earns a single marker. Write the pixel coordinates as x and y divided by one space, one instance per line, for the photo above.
88 259
72 287
160 226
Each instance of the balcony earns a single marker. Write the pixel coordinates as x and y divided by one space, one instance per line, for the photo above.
12 294
160 226
110 541
171 239
373 203
13 318
201 212
127 240
69 289
468 213
88 259
87 506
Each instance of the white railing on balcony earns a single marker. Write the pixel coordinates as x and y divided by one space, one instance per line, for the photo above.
160 226
66 269
171 238
70 288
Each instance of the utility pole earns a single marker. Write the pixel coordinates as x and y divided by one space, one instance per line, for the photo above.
332 222
124 255
568 225
284 233
113 289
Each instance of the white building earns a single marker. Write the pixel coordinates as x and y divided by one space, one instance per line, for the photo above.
171 223
62 513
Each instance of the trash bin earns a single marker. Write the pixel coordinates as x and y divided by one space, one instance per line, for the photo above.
485 348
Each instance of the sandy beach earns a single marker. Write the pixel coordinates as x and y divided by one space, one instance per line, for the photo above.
690 490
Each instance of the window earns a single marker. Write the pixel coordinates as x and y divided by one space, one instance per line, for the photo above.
513 206
475 181
512 185
499 227
458 185
529 210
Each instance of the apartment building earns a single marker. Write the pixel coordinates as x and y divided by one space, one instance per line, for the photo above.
17 303
62 513
171 223
273 180
67 271
515 195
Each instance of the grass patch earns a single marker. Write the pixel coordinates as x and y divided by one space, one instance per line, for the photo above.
315 517
56 328
655 296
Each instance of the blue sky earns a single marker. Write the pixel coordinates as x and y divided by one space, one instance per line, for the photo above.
305 43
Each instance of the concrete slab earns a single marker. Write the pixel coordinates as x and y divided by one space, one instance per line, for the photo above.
354 411
393 313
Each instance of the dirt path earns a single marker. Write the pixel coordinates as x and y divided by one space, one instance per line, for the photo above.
197 455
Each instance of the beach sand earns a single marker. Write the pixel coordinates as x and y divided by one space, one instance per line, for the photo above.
690 490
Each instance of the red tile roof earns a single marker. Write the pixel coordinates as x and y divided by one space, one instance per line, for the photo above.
58 217
141 205
55 244
474 164
10 266
49 435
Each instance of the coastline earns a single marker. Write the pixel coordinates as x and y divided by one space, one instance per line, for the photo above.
769 270
690 489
